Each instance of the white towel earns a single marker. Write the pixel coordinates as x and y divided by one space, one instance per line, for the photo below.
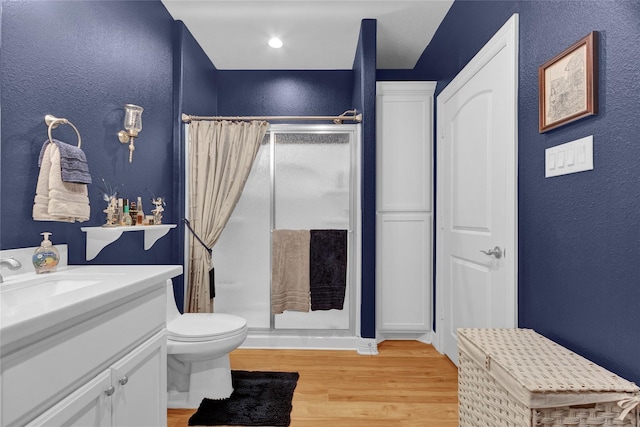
56 200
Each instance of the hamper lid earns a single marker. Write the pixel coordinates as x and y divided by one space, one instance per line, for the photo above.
539 372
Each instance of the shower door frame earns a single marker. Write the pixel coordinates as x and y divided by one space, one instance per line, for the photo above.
354 270
354 239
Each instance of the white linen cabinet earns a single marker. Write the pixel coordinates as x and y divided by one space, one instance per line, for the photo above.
404 216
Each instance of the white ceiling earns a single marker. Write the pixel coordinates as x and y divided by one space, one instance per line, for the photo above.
317 35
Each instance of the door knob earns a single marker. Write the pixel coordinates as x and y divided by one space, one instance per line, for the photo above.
123 380
496 252
110 390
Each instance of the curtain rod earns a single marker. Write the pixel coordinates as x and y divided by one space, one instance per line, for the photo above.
350 115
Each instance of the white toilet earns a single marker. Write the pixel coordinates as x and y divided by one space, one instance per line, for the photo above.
198 346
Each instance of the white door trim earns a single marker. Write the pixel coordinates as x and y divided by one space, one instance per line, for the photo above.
505 38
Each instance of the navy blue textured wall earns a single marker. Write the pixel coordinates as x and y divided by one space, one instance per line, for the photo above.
84 61
579 234
364 98
199 77
284 93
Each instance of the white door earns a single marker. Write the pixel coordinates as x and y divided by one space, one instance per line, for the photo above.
476 276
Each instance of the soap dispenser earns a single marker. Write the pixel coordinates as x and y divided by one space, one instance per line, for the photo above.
46 257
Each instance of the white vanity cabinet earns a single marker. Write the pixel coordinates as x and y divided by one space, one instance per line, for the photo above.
129 393
89 355
404 211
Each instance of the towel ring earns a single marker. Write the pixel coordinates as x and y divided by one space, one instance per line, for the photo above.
53 122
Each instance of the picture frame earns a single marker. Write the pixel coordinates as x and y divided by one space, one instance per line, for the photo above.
568 84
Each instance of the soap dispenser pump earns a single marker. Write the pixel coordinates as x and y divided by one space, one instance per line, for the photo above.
46 257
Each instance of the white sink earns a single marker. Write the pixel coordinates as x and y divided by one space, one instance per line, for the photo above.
29 288
32 303
32 293
26 292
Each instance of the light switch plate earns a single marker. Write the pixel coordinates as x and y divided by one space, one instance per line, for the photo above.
572 157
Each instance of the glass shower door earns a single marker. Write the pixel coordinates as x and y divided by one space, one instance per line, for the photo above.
303 178
312 190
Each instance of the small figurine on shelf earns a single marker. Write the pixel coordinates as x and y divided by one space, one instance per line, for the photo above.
158 202
111 213
109 195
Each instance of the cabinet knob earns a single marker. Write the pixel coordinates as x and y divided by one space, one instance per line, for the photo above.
123 380
110 391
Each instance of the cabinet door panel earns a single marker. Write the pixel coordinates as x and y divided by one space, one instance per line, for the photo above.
404 147
404 272
89 406
140 379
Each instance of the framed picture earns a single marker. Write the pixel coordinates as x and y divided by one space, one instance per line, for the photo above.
568 84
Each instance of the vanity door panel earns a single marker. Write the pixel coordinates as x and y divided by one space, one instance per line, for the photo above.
87 406
140 382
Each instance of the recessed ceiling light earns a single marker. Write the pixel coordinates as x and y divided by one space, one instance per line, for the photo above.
275 43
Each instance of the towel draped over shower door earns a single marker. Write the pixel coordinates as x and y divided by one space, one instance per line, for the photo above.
220 157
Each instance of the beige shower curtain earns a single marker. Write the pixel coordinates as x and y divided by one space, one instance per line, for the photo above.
220 157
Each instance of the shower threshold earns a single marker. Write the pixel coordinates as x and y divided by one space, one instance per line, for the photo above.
322 339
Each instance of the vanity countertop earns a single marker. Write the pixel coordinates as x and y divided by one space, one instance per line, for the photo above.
35 305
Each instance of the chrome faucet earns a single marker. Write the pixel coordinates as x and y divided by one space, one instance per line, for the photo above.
10 262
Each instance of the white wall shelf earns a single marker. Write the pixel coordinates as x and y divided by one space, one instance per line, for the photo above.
99 237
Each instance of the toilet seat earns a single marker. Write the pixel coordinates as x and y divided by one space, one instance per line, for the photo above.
200 327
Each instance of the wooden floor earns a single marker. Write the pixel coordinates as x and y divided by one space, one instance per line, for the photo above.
408 384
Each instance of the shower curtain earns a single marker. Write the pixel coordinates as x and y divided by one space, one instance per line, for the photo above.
220 157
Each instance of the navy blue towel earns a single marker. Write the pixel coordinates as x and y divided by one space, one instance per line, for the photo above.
328 269
73 162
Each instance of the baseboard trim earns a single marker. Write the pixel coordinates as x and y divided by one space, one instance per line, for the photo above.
424 337
367 346
364 346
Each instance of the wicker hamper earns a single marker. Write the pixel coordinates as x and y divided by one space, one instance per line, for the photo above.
518 378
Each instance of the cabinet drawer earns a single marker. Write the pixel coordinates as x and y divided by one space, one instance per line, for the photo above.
35 378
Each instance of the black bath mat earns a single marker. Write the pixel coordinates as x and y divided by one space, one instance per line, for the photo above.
258 399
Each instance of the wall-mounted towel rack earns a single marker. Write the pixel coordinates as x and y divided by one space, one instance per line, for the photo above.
53 122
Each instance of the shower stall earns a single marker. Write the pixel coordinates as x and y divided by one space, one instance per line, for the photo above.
304 177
